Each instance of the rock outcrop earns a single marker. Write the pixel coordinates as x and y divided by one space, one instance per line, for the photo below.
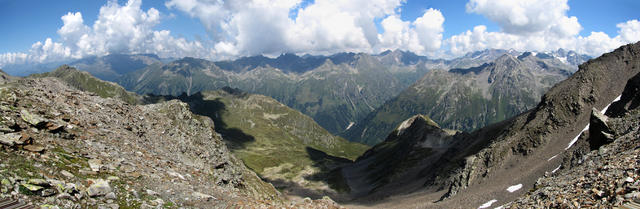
102 152
416 141
607 175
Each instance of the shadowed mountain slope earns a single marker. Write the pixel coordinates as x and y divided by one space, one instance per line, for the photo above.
466 99
480 166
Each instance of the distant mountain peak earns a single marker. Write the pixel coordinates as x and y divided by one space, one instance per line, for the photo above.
417 120
507 59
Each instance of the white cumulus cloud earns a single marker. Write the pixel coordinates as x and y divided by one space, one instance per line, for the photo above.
271 27
250 27
422 36
526 16
118 29
535 26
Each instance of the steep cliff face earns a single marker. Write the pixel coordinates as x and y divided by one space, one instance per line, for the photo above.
551 127
497 163
603 171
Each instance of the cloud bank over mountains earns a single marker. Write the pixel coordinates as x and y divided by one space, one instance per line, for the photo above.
251 27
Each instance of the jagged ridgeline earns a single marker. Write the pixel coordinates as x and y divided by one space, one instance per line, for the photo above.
282 145
498 163
467 99
335 91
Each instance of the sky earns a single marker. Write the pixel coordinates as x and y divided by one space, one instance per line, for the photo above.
35 31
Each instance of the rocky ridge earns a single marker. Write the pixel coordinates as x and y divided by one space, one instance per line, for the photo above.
500 162
416 141
85 81
71 149
604 169
549 128
282 145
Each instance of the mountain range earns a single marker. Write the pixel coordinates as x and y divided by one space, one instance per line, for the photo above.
337 91
424 165
501 128
467 98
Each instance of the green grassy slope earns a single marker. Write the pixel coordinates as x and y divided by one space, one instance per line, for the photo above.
281 144
86 82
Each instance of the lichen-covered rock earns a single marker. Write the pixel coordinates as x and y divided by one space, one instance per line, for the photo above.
98 187
10 139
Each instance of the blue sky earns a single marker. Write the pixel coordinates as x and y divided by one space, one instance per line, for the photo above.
26 22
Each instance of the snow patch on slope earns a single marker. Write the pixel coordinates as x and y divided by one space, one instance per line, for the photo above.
587 127
514 188
350 125
563 60
487 204
604 110
575 139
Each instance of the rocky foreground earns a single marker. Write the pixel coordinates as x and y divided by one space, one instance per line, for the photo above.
64 148
604 170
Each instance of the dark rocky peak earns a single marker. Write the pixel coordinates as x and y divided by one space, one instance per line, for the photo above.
475 70
234 91
629 100
287 62
506 59
244 63
196 62
290 62
599 131
344 57
289 58
524 55
538 55
544 56
385 53
413 142
487 53
409 133
186 65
